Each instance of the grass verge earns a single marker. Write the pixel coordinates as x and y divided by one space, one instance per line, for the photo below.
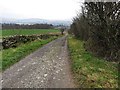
12 55
90 71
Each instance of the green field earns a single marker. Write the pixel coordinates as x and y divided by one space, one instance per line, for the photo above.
90 71
11 32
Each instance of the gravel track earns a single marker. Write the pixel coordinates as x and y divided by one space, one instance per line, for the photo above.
48 67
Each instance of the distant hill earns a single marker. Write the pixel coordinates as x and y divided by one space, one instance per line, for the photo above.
36 20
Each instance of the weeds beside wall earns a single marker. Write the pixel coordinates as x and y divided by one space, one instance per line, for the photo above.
14 41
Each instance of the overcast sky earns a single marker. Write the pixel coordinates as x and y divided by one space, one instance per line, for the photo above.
43 9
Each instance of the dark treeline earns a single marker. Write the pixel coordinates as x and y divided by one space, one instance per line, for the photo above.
26 26
99 26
